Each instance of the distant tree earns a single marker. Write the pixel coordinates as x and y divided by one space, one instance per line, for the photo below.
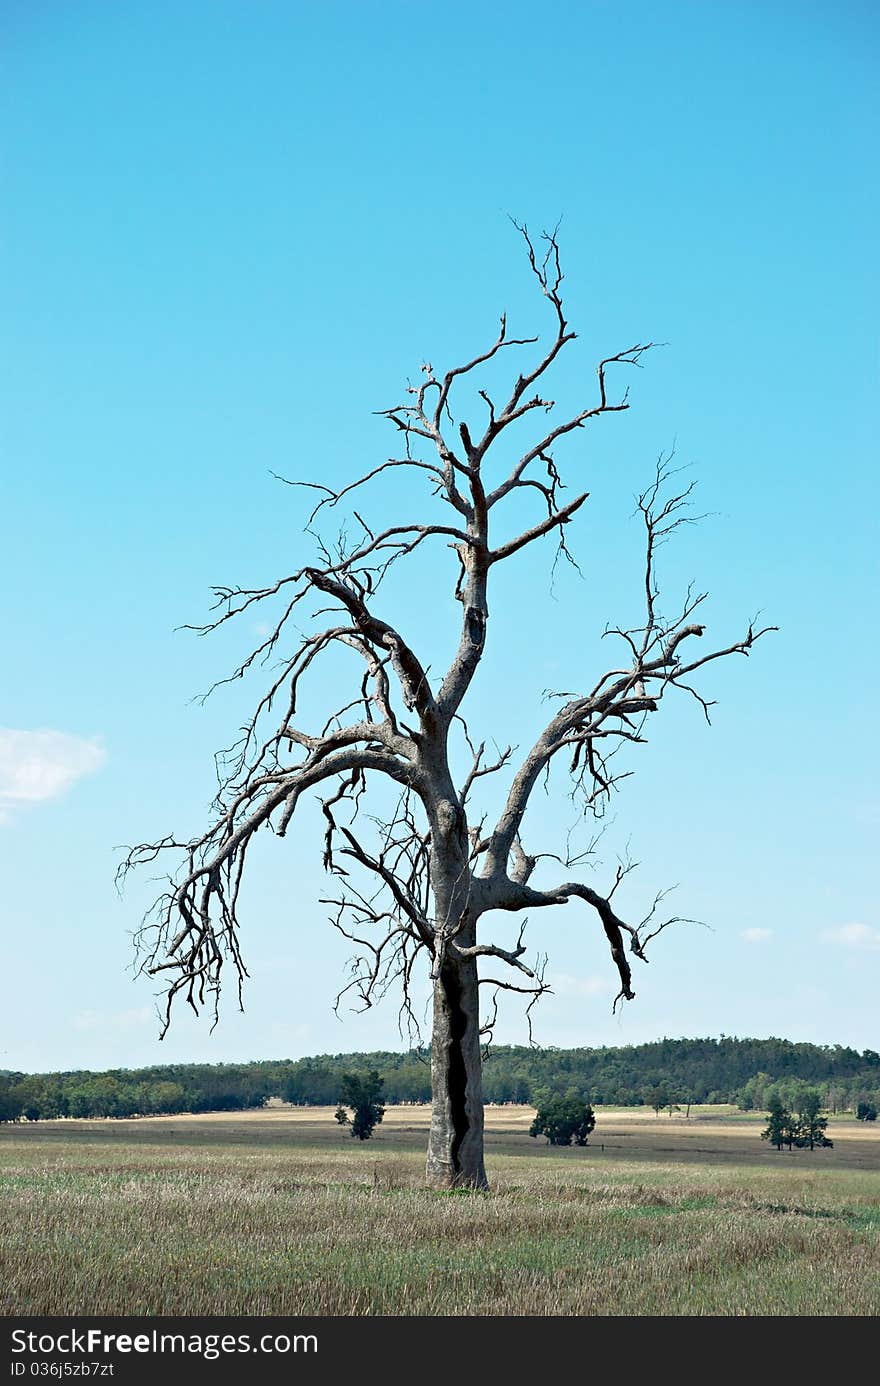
364 1096
866 1111
658 1097
28 1093
563 1119
78 1100
778 1121
755 1093
523 1090
10 1102
805 1128
106 1096
162 1097
52 1100
811 1122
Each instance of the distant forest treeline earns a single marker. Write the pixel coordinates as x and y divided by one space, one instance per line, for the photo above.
742 1071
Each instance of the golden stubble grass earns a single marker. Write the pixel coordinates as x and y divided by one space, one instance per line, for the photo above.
271 1216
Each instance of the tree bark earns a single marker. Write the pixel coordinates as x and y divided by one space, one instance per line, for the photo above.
455 1146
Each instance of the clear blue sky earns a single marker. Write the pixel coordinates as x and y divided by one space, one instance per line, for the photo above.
231 232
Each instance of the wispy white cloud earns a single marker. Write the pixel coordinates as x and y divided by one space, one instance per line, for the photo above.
854 936
39 765
756 935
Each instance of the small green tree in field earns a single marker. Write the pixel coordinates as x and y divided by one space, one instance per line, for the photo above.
866 1111
364 1097
811 1122
801 1129
658 1097
563 1120
778 1120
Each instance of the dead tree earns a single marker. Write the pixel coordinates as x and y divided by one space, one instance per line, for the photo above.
433 872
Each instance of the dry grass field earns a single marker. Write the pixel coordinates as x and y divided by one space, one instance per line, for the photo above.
280 1212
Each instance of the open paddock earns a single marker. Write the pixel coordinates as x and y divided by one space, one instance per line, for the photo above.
280 1211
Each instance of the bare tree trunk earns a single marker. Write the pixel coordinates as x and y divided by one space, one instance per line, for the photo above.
455 1146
